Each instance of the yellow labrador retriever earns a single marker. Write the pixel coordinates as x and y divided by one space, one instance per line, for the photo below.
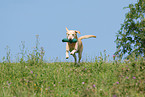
75 47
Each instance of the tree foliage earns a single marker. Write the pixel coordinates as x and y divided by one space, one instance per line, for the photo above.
131 36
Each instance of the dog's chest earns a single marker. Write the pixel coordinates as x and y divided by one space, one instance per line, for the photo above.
71 46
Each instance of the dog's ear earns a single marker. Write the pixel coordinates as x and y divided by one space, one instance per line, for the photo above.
67 29
78 32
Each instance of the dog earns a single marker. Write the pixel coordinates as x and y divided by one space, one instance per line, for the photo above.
75 47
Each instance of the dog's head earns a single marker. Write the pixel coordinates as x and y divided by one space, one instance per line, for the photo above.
71 34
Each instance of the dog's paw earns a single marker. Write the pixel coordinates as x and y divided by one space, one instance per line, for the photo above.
72 53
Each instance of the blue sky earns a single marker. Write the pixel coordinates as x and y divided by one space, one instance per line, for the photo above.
21 20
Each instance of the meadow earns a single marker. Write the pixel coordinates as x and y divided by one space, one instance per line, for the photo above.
102 78
97 79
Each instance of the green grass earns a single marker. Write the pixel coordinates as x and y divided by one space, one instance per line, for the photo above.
98 79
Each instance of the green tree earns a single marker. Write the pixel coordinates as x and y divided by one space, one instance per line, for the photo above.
131 36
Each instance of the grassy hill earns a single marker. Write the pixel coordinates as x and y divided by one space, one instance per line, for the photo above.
63 79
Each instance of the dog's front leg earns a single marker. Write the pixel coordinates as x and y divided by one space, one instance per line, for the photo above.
73 52
67 56
67 50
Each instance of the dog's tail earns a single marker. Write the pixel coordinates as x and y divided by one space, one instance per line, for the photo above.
87 36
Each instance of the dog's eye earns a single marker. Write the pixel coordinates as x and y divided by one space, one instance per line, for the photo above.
68 34
72 34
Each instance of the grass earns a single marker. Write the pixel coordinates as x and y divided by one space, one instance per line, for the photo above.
32 77
96 79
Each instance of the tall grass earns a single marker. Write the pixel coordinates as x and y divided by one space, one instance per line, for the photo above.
32 77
